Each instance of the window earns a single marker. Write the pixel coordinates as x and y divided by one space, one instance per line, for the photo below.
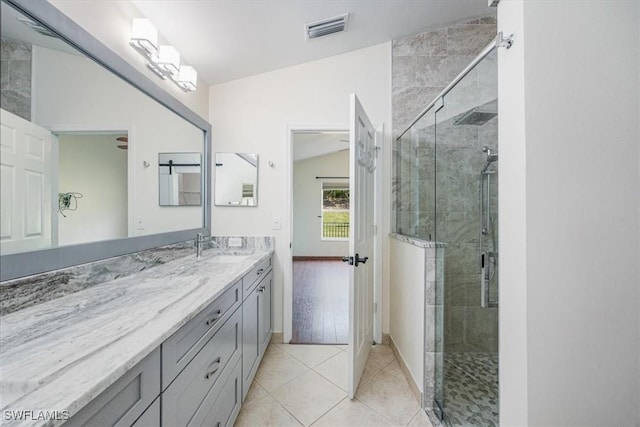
335 211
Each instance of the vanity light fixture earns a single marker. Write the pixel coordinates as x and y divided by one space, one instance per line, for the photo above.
168 60
187 78
164 60
144 37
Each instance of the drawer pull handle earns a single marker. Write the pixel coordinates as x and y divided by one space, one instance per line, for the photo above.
214 319
260 271
214 370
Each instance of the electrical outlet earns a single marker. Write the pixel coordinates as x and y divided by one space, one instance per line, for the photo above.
234 242
140 224
276 223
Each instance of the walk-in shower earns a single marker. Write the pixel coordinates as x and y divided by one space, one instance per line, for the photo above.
447 192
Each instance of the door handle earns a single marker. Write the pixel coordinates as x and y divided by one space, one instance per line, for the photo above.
360 260
355 260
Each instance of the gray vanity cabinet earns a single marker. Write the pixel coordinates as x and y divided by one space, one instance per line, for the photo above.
150 417
264 311
250 340
256 333
192 396
125 400
201 374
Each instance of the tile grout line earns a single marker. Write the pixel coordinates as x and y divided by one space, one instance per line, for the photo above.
374 410
329 410
319 363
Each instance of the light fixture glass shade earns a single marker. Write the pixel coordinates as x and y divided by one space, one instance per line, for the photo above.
169 60
144 36
188 78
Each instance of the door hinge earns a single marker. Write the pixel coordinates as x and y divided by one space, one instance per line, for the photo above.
375 230
289 245
375 307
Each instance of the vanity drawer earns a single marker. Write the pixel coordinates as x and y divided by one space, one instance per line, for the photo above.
253 277
228 399
126 399
184 401
184 344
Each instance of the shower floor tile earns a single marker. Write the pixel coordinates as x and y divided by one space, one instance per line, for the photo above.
471 390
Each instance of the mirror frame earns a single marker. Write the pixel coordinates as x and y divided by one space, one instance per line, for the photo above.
28 263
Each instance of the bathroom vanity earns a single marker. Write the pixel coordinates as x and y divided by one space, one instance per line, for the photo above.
128 327
176 344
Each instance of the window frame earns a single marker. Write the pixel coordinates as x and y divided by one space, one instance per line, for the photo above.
343 186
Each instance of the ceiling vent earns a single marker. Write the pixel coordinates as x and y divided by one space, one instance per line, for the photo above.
37 27
325 27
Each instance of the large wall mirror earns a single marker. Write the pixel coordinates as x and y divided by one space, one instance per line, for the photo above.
82 132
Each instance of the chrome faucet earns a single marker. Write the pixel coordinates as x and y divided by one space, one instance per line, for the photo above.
200 239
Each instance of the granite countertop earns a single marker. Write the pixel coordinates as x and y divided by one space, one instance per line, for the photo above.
61 354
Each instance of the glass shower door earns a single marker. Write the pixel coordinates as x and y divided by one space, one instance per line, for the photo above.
466 183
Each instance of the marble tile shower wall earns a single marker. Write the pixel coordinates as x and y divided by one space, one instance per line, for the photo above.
423 65
469 327
15 92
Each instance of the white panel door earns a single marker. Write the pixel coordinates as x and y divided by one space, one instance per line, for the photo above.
26 185
362 159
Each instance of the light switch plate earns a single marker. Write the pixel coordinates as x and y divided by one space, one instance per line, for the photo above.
234 242
140 223
276 223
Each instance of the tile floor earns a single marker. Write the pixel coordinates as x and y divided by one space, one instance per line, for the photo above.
304 385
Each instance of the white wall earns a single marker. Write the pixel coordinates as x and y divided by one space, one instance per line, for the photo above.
569 169
253 115
74 93
113 28
94 166
407 306
307 204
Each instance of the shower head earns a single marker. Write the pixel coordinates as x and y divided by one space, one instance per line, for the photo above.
491 157
474 117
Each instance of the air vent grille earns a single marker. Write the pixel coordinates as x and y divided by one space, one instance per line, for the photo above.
326 26
37 27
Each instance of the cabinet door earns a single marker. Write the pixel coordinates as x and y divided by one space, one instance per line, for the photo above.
264 310
150 417
126 399
250 337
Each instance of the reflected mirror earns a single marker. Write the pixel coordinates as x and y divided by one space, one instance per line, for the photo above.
236 179
79 148
180 179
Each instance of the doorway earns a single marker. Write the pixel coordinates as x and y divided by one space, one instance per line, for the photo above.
320 199
92 186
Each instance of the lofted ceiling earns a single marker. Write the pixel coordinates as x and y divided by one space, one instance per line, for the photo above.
307 145
230 39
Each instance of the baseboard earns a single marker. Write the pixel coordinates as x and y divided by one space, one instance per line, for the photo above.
277 338
405 370
386 339
317 258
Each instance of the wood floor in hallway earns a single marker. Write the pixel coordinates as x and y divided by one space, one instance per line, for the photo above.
320 302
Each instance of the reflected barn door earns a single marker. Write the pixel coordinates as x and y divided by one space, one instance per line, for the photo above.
27 187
